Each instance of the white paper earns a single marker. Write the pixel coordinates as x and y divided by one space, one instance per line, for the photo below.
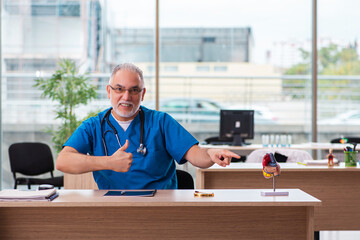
322 162
26 195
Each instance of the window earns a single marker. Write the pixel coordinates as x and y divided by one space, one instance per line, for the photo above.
170 68
43 7
220 68
69 8
202 68
37 33
338 69
55 8
208 39
236 60
221 52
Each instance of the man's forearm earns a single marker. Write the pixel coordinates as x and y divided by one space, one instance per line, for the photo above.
199 157
204 158
76 163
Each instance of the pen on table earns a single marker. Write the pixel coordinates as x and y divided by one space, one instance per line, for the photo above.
301 163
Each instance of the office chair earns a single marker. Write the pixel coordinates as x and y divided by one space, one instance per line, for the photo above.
184 179
349 140
32 159
217 141
281 155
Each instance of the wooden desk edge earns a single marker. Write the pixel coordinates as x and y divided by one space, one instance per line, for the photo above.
166 198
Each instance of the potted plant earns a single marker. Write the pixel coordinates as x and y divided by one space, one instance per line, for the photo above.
69 89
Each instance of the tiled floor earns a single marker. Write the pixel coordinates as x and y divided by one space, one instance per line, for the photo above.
340 235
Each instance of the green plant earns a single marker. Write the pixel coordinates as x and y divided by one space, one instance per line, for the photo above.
70 89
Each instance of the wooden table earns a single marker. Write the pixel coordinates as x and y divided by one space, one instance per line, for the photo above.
170 214
337 187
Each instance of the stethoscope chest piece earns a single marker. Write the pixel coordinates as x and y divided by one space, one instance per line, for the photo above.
142 149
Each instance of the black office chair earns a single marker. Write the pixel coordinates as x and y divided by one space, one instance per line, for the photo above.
348 140
32 159
184 179
216 141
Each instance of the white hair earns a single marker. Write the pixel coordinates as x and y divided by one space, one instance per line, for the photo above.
129 67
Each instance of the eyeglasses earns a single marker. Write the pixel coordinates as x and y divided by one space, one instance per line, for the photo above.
122 90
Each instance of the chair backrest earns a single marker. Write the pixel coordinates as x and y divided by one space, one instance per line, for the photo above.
30 158
293 155
216 140
349 140
184 179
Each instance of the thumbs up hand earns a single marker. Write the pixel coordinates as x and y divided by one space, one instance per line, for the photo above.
121 161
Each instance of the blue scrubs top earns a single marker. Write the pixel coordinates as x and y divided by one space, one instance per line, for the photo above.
165 139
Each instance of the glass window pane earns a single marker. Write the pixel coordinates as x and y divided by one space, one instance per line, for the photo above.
339 65
338 71
97 35
239 56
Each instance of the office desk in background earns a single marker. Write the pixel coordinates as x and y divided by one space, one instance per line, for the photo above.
337 187
86 180
302 146
311 147
170 214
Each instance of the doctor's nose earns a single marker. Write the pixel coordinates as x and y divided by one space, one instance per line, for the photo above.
126 95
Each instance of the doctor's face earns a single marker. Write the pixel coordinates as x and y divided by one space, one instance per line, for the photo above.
126 91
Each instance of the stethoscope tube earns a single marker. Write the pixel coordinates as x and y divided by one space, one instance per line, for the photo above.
141 149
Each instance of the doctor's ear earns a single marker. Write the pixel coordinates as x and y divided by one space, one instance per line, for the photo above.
143 94
108 91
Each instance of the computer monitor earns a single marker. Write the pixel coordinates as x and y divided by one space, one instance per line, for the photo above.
237 124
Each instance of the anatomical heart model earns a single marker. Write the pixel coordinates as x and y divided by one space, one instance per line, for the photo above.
271 169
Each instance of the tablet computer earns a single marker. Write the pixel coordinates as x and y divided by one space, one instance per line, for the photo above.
140 193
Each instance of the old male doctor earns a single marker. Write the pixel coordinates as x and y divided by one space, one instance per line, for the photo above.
129 146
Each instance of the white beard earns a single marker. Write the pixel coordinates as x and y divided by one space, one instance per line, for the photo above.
129 114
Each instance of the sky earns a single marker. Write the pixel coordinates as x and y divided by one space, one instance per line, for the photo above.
272 21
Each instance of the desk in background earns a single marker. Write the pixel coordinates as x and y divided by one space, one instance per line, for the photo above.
311 146
170 214
302 146
86 180
337 187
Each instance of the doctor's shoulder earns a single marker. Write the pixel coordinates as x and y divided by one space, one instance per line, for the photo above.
157 116
93 120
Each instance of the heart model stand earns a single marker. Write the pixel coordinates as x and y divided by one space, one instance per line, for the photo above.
271 170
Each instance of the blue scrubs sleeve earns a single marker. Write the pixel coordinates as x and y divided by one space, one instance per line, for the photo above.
178 139
82 139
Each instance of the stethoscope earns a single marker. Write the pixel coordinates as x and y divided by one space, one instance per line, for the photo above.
141 149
